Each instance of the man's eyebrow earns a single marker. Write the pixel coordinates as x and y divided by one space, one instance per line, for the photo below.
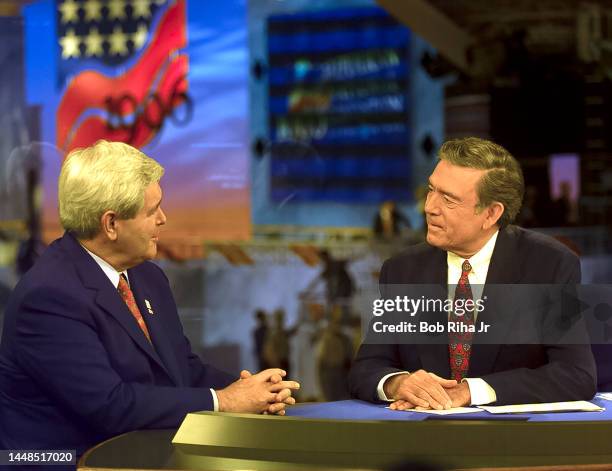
447 193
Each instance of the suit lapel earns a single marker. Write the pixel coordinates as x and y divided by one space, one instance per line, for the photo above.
107 297
434 356
503 269
109 300
155 326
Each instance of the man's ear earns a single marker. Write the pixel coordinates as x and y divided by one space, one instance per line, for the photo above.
108 223
493 212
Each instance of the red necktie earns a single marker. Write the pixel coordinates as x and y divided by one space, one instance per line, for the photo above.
126 294
460 343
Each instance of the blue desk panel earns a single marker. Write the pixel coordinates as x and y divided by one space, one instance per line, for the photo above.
359 410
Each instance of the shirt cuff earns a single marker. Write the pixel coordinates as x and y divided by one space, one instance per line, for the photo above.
215 400
480 391
380 390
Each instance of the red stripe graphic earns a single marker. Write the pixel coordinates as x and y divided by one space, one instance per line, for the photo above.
89 89
95 127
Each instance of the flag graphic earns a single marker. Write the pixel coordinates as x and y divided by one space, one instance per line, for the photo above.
121 72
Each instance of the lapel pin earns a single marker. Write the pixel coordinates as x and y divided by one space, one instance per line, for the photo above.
149 306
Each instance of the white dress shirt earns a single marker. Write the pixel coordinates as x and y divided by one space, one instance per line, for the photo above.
113 275
480 391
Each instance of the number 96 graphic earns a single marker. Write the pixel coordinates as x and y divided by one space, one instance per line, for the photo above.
125 113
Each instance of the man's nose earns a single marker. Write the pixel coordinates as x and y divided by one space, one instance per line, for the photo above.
431 203
162 217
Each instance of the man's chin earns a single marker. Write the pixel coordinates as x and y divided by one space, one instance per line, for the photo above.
433 240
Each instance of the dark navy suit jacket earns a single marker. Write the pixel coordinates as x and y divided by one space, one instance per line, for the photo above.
519 373
76 369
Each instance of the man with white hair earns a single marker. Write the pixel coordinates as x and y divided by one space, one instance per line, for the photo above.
92 345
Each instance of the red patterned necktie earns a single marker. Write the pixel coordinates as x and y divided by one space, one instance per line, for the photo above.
460 343
126 294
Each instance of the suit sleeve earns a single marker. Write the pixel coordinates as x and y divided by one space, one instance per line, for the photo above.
57 345
569 373
205 375
373 361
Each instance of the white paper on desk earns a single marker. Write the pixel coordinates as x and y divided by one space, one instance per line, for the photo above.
572 406
452 410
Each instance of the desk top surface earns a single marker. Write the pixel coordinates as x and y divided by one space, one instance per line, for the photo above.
360 410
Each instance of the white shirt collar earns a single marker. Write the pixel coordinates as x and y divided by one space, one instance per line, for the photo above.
112 274
479 261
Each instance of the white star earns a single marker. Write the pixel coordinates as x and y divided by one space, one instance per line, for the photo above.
93 10
117 41
140 9
116 9
93 43
70 45
140 36
70 11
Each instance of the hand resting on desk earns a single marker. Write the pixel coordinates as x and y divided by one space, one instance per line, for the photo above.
424 390
262 393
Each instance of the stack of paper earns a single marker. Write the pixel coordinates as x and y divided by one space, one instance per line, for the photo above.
572 406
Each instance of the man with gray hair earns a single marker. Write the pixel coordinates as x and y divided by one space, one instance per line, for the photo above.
474 194
92 345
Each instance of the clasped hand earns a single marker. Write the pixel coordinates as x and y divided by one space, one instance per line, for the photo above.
265 392
424 390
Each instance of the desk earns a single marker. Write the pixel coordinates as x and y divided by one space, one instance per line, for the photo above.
359 410
358 435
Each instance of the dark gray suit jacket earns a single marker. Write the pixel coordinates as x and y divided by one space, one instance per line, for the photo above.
543 371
